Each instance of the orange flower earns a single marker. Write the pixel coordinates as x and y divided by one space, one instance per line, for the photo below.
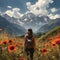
58 36
53 42
12 48
11 42
0 42
44 50
47 44
56 41
4 41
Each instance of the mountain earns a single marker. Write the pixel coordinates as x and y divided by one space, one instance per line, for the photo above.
32 21
30 17
10 19
11 28
39 24
29 20
47 27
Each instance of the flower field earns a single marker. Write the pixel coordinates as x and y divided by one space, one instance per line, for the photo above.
47 47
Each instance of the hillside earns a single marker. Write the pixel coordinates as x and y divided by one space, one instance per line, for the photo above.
49 26
11 28
53 33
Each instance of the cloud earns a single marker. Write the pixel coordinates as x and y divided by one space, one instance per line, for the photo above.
54 13
53 10
15 12
9 13
28 4
9 6
40 7
16 9
54 16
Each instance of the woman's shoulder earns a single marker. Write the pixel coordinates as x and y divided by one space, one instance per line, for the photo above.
26 35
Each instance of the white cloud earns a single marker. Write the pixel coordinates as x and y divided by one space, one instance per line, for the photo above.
28 4
9 13
15 12
9 6
54 16
16 9
39 8
53 10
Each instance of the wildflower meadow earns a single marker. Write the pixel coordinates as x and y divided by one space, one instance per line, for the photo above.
47 46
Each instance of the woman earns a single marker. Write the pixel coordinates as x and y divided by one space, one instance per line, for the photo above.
29 44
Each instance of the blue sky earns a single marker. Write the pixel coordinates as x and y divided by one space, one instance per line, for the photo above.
15 3
7 6
56 4
22 4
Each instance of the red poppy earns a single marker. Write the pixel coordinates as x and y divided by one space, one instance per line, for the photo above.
53 45
4 41
12 48
44 50
11 42
57 41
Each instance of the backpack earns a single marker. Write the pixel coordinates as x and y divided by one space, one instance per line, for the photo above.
29 42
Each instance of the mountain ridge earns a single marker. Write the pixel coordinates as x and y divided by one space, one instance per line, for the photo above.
47 27
10 27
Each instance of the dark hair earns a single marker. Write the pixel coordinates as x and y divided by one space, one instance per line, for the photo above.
30 30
